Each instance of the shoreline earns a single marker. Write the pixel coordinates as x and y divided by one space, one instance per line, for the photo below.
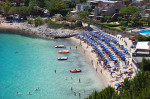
91 56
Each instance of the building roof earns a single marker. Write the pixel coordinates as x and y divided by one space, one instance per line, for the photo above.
143 45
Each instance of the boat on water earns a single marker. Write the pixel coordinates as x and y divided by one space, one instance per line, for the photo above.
59 46
63 51
75 70
62 58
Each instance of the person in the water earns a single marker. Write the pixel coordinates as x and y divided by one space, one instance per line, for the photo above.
18 93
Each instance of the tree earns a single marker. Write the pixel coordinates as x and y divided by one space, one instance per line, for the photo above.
59 6
50 5
26 2
129 12
41 3
148 20
127 2
5 7
21 10
70 4
146 64
136 18
32 7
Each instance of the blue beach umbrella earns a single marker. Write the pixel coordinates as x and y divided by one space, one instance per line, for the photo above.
117 84
125 67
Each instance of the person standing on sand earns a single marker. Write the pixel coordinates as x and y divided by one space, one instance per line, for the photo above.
76 47
79 95
71 89
92 62
74 93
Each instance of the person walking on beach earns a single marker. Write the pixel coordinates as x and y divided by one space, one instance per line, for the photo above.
74 93
76 47
79 80
71 89
92 62
79 95
55 71
70 48
101 71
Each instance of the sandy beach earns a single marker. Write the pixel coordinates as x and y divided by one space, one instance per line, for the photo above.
105 75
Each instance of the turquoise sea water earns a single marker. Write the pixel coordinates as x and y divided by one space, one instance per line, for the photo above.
28 63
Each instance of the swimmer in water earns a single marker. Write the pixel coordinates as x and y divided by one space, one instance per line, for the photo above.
29 93
66 78
16 52
18 93
37 89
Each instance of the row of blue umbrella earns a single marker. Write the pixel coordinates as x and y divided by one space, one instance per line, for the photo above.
110 44
89 40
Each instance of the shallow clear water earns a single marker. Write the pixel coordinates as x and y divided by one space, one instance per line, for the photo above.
28 63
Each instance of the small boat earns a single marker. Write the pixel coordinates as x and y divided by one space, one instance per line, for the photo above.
62 58
75 71
59 46
63 51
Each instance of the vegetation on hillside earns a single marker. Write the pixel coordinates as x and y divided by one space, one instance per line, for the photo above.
136 88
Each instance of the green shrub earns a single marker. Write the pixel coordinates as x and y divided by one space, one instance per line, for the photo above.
54 23
123 28
143 38
30 21
78 24
38 21
123 22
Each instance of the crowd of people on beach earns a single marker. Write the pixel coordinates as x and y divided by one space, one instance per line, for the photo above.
112 56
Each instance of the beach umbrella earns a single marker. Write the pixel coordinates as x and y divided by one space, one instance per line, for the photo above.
117 84
125 67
